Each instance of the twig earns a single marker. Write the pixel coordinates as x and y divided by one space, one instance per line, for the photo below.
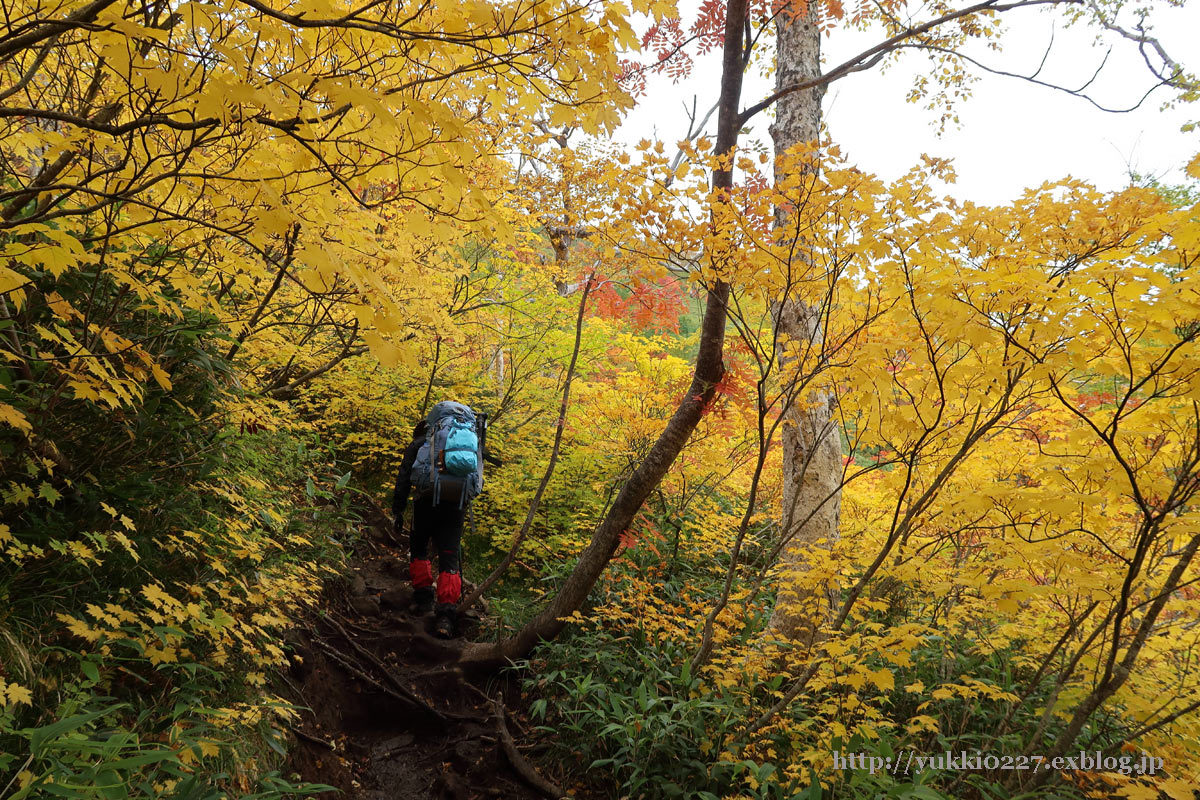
360 628
379 665
869 58
519 762
13 780
308 737
508 559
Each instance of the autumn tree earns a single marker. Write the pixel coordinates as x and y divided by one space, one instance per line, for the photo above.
275 185
204 209
991 532
811 441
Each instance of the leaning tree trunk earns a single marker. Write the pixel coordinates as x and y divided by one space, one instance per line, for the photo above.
812 450
707 373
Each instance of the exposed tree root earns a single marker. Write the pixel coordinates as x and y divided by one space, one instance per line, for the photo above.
518 761
344 662
409 695
397 719
308 737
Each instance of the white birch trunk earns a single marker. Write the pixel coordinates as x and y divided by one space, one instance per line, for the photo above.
812 449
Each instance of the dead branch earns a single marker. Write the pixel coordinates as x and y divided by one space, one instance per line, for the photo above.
872 56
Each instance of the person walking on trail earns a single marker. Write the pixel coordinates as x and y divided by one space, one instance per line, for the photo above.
442 469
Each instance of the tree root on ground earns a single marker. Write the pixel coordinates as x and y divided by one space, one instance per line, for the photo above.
409 696
519 762
411 701
308 737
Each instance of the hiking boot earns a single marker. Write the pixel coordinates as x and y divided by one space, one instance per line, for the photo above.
444 623
422 601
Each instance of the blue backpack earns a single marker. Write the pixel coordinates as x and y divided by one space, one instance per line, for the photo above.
450 462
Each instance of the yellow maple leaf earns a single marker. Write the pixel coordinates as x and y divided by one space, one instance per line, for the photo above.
123 540
79 628
10 280
19 694
161 376
161 655
1138 791
855 680
154 593
13 417
883 679
1178 788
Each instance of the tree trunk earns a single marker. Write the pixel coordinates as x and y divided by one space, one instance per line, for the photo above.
709 369
812 449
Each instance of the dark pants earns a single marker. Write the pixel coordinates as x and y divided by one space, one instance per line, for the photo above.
443 525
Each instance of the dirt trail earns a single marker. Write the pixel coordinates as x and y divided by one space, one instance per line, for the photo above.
392 717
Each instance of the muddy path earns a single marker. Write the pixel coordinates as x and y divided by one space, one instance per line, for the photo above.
389 714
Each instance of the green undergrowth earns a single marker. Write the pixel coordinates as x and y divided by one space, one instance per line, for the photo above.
141 619
619 706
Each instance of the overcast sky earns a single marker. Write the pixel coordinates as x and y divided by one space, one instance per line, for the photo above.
1012 134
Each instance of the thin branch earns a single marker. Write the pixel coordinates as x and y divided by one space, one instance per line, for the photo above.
873 55
503 566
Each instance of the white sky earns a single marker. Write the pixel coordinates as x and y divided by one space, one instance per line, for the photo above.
1013 135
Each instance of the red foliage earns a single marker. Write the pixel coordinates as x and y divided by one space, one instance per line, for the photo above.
666 39
746 193
632 77
1035 434
625 540
710 25
647 534
650 305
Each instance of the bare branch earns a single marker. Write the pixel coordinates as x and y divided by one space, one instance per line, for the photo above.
873 55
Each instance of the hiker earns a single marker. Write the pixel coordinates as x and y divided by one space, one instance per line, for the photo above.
443 469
